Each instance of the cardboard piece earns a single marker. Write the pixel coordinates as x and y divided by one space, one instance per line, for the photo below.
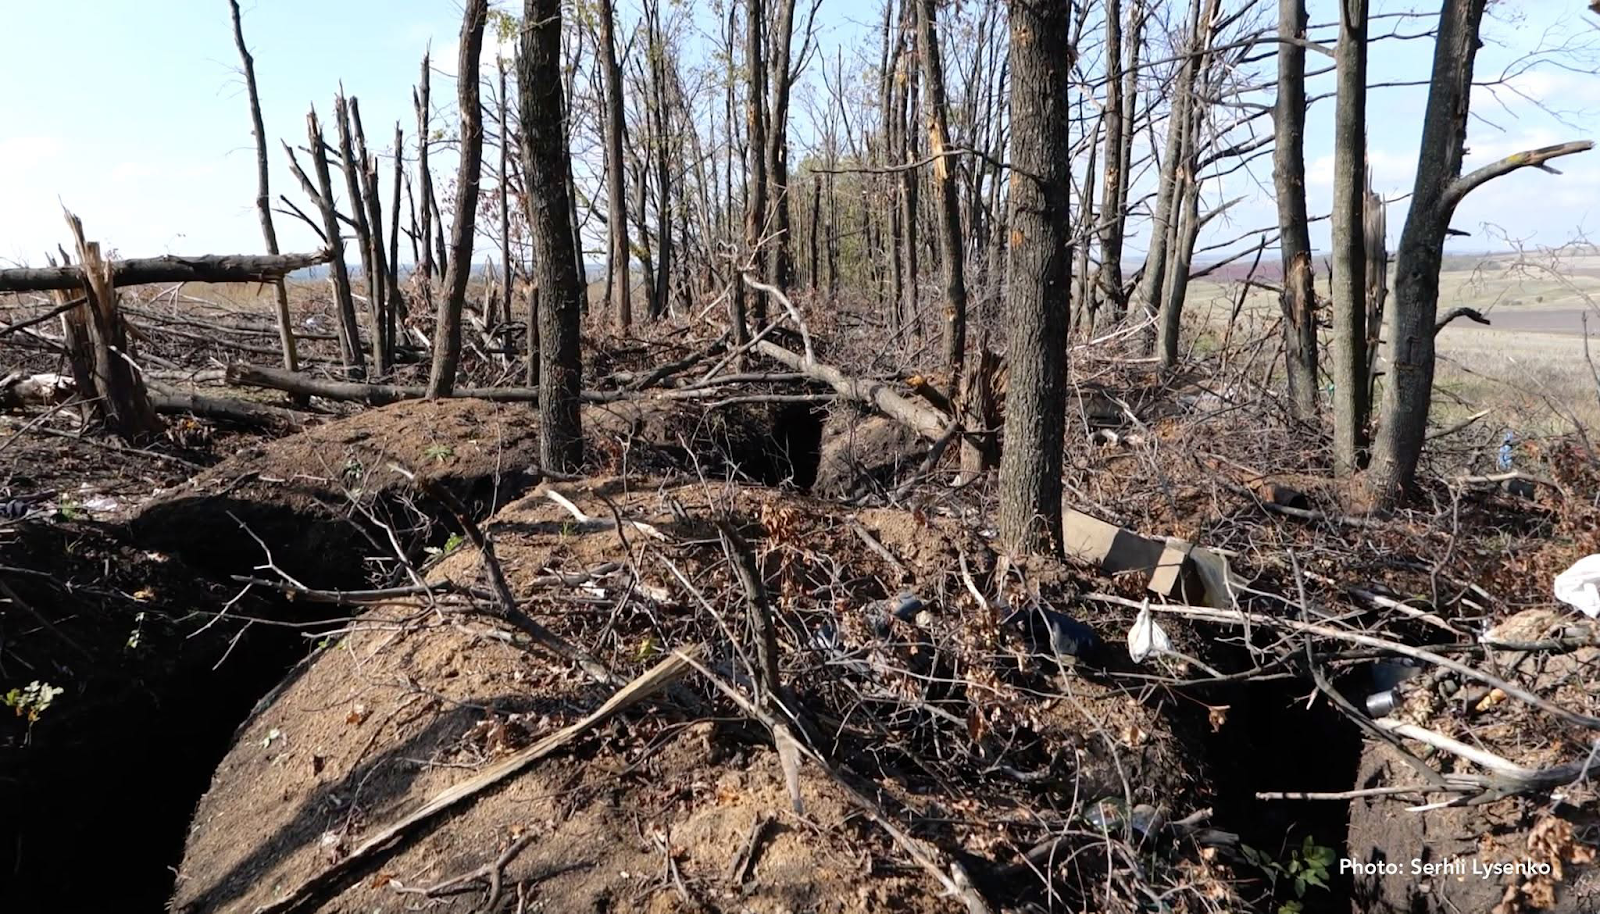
1174 568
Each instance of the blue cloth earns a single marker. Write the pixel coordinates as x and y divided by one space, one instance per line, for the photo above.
1505 450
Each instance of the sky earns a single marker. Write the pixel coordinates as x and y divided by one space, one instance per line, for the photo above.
134 116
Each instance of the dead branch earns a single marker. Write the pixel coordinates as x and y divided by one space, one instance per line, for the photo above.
1471 314
208 268
1536 158
925 422
334 877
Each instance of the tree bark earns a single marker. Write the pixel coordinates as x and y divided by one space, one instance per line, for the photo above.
780 266
1040 278
755 148
1439 188
390 300
1351 410
1108 285
616 192
447 328
505 198
951 241
544 168
269 233
358 220
322 194
419 99
1298 298
148 270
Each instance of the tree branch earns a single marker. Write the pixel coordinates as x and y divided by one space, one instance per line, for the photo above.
1537 158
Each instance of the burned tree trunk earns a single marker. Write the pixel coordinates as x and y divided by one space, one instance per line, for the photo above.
321 194
419 99
1040 279
389 300
780 258
616 192
1298 299
269 234
146 270
447 330
505 199
363 228
951 241
1350 407
544 168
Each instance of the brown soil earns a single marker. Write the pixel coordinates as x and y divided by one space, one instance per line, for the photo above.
414 699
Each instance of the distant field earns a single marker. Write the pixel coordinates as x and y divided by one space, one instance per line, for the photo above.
1528 366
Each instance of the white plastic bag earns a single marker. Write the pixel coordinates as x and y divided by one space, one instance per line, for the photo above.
1580 585
1146 637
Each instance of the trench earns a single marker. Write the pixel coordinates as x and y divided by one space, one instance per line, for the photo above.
1272 742
791 451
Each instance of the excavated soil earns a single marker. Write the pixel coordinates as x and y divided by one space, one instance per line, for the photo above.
647 812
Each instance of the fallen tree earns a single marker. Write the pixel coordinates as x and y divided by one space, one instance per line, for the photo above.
209 268
926 422
241 374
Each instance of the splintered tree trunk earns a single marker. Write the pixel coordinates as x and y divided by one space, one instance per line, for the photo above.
909 102
363 228
1133 41
419 98
1040 278
1375 227
951 241
755 154
447 329
1350 406
616 193
387 294
269 234
889 144
101 357
349 332
1297 299
398 306
544 168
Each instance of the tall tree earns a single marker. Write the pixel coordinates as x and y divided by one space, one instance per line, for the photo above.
1439 189
780 257
1108 285
555 274
1040 276
616 190
1350 407
447 328
1297 299
420 101
269 234
755 147
951 241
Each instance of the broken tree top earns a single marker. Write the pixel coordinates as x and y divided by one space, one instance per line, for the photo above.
207 268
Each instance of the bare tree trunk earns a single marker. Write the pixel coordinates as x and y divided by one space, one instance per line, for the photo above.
397 309
1167 197
322 195
663 160
447 328
419 99
1298 298
812 274
544 167
1375 228
780 263
1350 407
890 143
1041 267
387 295
907 115
358 220
755 154
1134 42
616 192
951 242
505 198
1439 188
269 234
1108 286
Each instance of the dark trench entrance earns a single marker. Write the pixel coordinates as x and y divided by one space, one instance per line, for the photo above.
1272 742
793 450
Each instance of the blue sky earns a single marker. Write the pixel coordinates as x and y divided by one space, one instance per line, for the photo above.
133 116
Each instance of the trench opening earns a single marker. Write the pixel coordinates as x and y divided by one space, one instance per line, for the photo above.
1271 742
791 451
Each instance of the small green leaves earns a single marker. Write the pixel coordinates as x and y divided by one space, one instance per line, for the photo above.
32 700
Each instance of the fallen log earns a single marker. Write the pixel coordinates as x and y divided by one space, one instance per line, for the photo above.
222 409
241 374
926 422
209 268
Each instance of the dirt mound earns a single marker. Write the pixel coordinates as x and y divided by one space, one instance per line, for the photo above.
862 454
309 495
931 715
